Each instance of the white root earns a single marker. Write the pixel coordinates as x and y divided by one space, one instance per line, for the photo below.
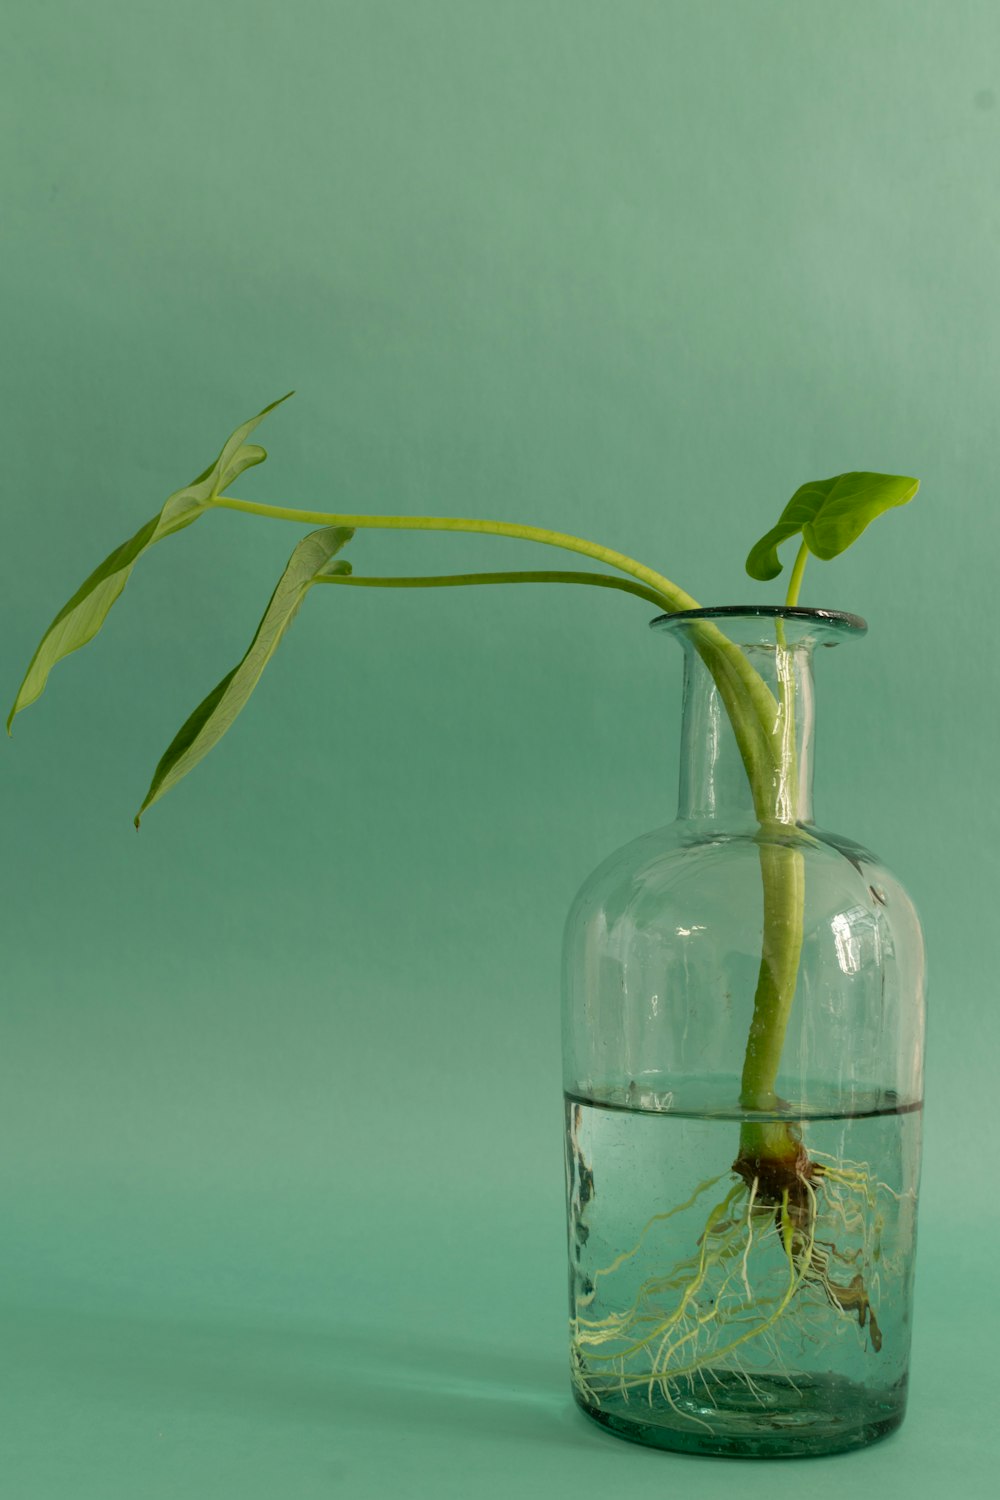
761 1271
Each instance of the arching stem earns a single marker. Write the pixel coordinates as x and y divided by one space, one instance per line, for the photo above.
761 725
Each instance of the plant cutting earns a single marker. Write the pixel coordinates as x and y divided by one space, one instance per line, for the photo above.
742 1005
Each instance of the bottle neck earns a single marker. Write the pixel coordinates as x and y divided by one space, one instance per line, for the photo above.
714 787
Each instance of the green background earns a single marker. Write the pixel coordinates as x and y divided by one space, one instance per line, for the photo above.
281 1152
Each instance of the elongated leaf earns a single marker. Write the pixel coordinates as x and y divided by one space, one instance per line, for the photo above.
830 514
204 729
82 617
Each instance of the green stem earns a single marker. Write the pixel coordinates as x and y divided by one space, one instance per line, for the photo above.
783 879
458 580
795 581
757 719
749 702
782 871
751 709
667 594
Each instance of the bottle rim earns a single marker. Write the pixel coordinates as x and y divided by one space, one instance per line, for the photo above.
837 619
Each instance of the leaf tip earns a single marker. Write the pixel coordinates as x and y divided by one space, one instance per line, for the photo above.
760 573
763 562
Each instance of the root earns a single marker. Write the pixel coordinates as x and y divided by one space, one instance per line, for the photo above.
768 1263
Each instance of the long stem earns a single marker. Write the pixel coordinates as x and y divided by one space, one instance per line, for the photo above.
749 703
729 667
782 870
458 580
757 719
668 594
783 880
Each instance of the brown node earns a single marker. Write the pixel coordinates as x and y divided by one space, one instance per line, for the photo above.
777 1175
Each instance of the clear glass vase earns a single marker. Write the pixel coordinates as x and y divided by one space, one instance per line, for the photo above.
743 1037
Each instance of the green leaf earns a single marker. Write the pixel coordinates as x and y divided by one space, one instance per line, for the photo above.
80 620
830 514
310 561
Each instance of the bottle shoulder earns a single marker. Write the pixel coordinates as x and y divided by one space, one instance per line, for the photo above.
679 865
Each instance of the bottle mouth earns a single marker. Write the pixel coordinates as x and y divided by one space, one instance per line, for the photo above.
827 625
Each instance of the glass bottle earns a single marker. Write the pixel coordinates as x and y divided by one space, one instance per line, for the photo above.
743 1036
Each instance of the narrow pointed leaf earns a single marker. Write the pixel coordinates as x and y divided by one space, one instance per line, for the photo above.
312 559
82 617
830 514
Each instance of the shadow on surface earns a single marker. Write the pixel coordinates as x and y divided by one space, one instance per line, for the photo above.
341 1377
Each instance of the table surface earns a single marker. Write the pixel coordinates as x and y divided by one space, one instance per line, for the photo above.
224 1347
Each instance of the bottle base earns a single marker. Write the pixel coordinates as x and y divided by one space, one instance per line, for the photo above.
815 1416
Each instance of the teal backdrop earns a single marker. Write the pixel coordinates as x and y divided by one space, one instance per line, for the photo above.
280 1096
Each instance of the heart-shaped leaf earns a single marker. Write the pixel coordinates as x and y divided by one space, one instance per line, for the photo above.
82 617
830 514
310 561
